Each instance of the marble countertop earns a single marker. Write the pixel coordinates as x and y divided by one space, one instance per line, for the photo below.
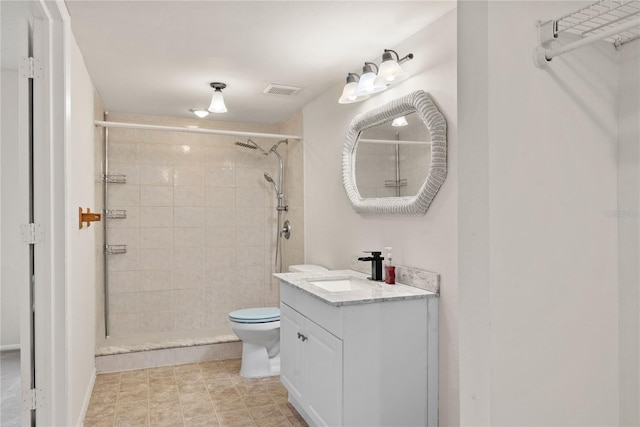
367 292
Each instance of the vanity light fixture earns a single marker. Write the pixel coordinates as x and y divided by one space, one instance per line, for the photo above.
348 93
390 71
200 112
399 121
360 87
217 100
368 84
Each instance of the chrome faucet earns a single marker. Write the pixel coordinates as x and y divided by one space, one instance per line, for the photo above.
376 264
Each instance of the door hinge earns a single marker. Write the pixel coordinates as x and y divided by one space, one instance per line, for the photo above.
30 68
31 233
33 399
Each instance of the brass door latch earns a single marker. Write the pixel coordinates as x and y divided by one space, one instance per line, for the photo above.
87 217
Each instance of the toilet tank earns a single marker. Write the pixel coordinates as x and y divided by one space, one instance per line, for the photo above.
306 268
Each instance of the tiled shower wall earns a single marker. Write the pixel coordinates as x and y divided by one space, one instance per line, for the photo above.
200 227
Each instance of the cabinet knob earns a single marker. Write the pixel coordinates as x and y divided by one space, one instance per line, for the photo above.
302 337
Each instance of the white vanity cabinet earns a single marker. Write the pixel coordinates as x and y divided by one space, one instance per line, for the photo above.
355 363
311 366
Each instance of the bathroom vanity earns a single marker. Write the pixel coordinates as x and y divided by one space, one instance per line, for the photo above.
358 353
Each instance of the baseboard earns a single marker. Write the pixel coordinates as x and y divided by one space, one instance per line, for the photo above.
9 347
87 398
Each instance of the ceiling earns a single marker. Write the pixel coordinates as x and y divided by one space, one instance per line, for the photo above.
158 57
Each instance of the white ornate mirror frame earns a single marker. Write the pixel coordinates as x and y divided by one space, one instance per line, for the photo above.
421 103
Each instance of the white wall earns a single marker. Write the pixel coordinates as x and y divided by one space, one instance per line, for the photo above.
9 286
539 343
80 243
334 233
629 231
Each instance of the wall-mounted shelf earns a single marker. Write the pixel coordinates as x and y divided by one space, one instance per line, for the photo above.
615 21
115 249
115 213
115 179
601 16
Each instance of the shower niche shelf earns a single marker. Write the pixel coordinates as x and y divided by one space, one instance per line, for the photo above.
115 249
115 179
116 213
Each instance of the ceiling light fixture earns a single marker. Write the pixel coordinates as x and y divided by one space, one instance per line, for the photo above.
217 100
200 112
360 87
348 93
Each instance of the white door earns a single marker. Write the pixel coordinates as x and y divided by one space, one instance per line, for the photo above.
29 232
18 254
31 194
23 44
15 284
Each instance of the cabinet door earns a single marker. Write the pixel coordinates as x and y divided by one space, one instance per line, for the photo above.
322 375
290 350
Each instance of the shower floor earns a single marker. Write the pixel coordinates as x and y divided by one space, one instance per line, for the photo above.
208 393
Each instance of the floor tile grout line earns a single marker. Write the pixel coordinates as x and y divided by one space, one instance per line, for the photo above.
115 410
148 400
241 396
215 411
175 378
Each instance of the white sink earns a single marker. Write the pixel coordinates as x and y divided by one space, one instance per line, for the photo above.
342 284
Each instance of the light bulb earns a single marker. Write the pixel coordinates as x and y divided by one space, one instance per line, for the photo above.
217 102
367 84
399 121
348 93
200 112
390 71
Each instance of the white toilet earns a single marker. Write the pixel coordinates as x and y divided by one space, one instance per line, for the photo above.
259 331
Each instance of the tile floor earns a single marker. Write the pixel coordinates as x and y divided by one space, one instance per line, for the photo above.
10 388
200 394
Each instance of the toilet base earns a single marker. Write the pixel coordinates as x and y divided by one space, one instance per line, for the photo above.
256 363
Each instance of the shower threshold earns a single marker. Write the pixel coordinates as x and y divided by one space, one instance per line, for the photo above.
163 345
171 352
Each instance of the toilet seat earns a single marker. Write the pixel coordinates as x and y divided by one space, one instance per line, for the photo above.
255 315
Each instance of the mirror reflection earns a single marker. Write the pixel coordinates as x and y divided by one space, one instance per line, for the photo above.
392 159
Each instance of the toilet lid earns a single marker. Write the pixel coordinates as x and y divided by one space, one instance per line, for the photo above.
255 315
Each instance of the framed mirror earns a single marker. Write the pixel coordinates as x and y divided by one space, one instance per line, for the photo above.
394 158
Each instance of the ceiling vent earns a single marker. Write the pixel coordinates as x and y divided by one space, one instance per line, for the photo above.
274 89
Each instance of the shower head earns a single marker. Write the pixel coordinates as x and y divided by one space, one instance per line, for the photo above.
269 179
250 145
